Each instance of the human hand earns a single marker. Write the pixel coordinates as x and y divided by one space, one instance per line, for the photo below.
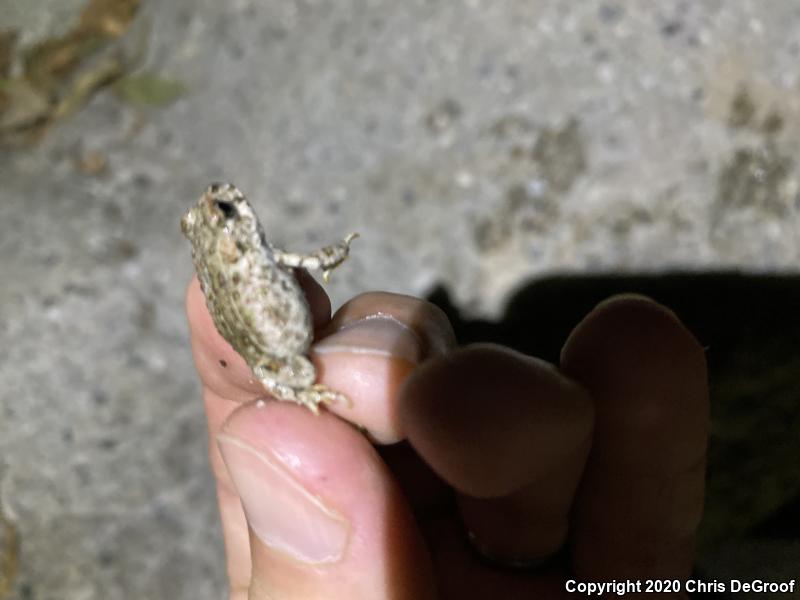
593 471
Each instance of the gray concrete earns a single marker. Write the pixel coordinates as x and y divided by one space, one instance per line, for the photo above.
474 144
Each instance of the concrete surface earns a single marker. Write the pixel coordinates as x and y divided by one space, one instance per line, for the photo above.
473 144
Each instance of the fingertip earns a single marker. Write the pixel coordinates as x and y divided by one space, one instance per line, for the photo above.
374 342
633 318
648 370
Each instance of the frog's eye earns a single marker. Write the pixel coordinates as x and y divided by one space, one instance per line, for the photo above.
227 209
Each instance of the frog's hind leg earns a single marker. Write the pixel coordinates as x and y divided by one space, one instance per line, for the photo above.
292 379
327 258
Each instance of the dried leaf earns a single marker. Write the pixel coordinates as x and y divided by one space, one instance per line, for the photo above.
108 18
149 89
49 63
85 85
25 105
7 40
92 162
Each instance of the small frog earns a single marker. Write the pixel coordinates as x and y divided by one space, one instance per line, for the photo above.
253 296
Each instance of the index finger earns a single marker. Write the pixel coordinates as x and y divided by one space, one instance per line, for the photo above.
642 494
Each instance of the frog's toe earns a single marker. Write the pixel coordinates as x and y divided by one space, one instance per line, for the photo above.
326 395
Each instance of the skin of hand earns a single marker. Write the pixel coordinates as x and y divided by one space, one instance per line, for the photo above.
474 458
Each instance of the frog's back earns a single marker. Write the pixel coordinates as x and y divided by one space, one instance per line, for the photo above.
256 304
260 309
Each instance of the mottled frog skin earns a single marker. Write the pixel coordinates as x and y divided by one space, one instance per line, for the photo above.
253 296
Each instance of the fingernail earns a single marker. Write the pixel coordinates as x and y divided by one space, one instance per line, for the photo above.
279 510
379 335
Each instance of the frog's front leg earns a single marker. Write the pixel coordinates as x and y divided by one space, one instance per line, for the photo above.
292 378
327 258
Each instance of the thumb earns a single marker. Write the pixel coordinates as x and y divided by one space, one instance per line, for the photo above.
325 518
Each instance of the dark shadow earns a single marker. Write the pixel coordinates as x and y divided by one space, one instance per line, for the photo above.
750 327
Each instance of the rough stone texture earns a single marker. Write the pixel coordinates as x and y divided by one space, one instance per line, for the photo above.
472 144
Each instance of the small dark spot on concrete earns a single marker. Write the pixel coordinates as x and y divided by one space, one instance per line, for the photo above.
443 116
610 13
80 290
773 123
274 33
370 125
601 55
26 591
510 125
184 18
223 363
67 436
517 152
742 108
485 70
51 259
561 155
107 444
295 209
99 397
142 181
491 234
756 178
84 474
589 37
698 94
105 558
698 166
165 137
409 197
670 28
629 217
620 227
112 213
145 315
123 250
531 198
517 196
235 50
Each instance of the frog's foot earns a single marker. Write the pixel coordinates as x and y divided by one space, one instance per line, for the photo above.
311 397
317 394
327 258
